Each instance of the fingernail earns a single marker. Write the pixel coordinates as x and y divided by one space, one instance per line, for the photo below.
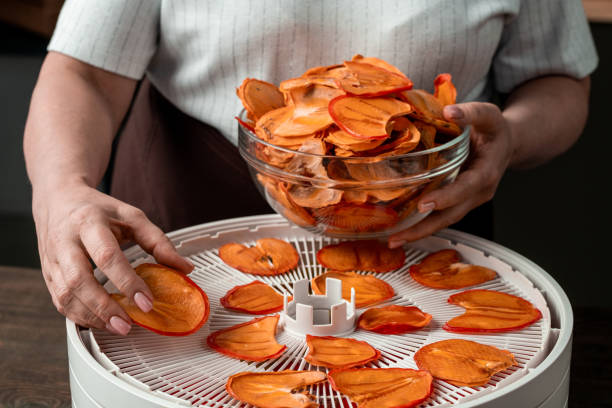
426 207
143 302
111 329
454 112
119 325
396 244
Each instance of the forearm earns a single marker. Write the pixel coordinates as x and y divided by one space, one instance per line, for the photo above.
74 114
546 116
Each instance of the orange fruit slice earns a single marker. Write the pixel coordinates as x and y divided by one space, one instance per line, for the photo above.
269 256
373 80
339 352
383 387
393 319
180 307
259 97
280 196
463 363
488 311
368 289
357 217
444 90
366 118
254 298
443 270
275 389
252 341
369 255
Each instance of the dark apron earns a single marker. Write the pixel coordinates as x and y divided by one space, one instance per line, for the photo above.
183 172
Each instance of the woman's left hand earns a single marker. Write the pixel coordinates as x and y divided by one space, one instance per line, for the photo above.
492 146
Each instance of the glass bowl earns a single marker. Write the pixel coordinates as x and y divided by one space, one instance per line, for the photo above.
349 197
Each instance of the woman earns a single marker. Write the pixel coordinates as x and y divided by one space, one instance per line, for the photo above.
535 56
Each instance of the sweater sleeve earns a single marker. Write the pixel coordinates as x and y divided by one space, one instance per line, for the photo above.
547 37
119 36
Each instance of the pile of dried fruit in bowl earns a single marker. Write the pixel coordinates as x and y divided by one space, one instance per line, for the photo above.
347 123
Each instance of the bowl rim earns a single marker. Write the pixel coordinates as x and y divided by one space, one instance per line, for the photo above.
354 159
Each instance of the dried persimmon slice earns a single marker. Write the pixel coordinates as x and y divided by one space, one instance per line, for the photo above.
347 142
278 389
253 298
367 255
180 306
444 90
407 141
368 289
428 108
366 118
383 387
252 341
269 256
339 352
489 311
373 80
279 197
357 217
259 97
306 112
393 319
378 63
463 362
314 197
444 270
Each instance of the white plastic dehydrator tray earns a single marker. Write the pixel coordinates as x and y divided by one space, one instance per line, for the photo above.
153 370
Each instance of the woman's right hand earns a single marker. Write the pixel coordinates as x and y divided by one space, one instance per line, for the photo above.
76 223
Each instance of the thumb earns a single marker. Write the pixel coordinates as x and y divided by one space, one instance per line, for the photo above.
484 116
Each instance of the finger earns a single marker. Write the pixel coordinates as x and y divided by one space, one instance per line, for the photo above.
431 224
78 278
103 248
467 184
152 239
485 116
66 303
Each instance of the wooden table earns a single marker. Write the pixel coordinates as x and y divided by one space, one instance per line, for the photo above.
34 361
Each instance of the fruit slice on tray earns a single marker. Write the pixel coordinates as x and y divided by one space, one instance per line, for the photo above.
253 298
259 97
252 341
369 255
339 352
280 389
463 363
357 217
180 307
368 289
393 319
366 118
491 311
269 256
383 387
444 270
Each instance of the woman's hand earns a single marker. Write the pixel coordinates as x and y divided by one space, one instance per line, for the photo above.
492 146
75 223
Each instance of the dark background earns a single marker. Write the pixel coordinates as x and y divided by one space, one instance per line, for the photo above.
557 215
